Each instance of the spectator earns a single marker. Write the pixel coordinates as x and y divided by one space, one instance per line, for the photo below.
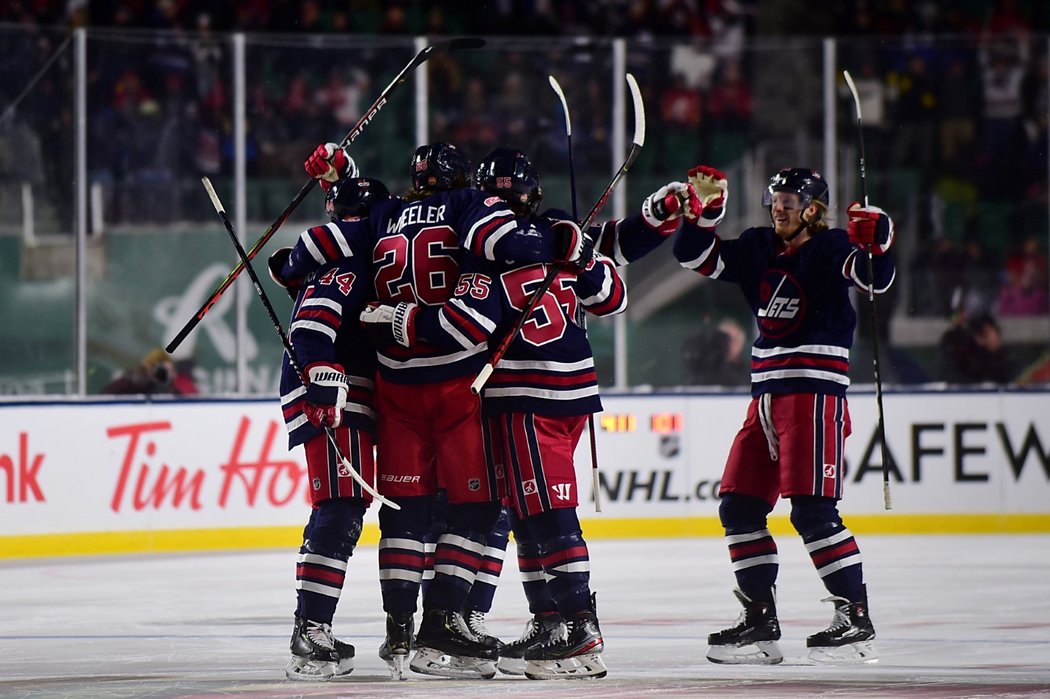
972 351
156 373
714 356
1024 291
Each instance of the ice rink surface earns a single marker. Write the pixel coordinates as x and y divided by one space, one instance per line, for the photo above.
956 616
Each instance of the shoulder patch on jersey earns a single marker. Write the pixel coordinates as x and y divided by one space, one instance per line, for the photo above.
492 201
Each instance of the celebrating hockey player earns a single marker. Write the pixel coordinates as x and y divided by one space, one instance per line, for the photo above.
339 364
796 275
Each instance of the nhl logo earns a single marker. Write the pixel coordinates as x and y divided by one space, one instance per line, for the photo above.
474 484
670 446
316 483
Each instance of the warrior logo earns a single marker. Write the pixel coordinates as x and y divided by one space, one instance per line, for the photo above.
562 491
781 304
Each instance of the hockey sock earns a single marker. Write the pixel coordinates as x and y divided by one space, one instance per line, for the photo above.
401 552
752 550
460 553
565 559
329 539
830 545
484 588
530 565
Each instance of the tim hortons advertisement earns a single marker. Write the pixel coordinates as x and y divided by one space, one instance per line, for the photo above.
110 467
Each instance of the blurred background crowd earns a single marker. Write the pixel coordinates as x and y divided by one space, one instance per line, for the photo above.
955 98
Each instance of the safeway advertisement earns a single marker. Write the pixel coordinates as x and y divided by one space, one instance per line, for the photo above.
98 466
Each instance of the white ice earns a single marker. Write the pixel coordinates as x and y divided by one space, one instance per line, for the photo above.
956 616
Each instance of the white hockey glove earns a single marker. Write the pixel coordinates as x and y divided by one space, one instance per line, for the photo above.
325 394
330 163
712 189
388 324
670 202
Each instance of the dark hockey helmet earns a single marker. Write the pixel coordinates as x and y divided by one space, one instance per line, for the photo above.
807 184
510 175
439 166
353 196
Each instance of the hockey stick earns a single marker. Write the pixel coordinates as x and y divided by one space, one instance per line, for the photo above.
632 155
364 121
881 422
575 217
285 341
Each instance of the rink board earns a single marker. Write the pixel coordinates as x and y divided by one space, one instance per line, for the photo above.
168 475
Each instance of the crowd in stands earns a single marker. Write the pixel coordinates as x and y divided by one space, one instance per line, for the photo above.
955 103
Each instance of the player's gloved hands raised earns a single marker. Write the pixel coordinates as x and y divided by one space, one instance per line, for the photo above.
670 202
870 225
388 324
576 247
712 189
325 394
330 163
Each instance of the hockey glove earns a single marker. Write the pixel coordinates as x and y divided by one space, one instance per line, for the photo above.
870 225
330 163
712 189
670 202
325 394
389 324
276 263
576 247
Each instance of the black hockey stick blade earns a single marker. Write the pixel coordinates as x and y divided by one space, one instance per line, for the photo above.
366 118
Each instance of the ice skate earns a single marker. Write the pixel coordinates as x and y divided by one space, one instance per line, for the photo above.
446 647
537 630
573 650
315 657
476 623
753 641
848 639
397 644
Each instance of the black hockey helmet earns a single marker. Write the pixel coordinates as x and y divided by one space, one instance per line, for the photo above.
510 175
353 196
439 166
807 184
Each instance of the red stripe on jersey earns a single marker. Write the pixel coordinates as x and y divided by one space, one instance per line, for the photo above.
464 323
512 378
485 231
322 235
840 365
320 313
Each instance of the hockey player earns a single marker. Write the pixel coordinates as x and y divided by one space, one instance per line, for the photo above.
796 275
536 403
429 426
339 363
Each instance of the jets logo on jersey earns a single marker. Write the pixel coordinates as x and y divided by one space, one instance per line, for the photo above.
781 304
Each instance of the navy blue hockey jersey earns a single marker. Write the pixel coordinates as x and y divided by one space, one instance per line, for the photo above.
325 326
799 297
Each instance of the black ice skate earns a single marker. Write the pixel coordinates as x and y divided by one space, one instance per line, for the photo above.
446 647
537 630
848 639
573 650
476 623
753 641
317 656
398 643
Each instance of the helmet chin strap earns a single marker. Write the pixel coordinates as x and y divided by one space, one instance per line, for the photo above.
805 224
